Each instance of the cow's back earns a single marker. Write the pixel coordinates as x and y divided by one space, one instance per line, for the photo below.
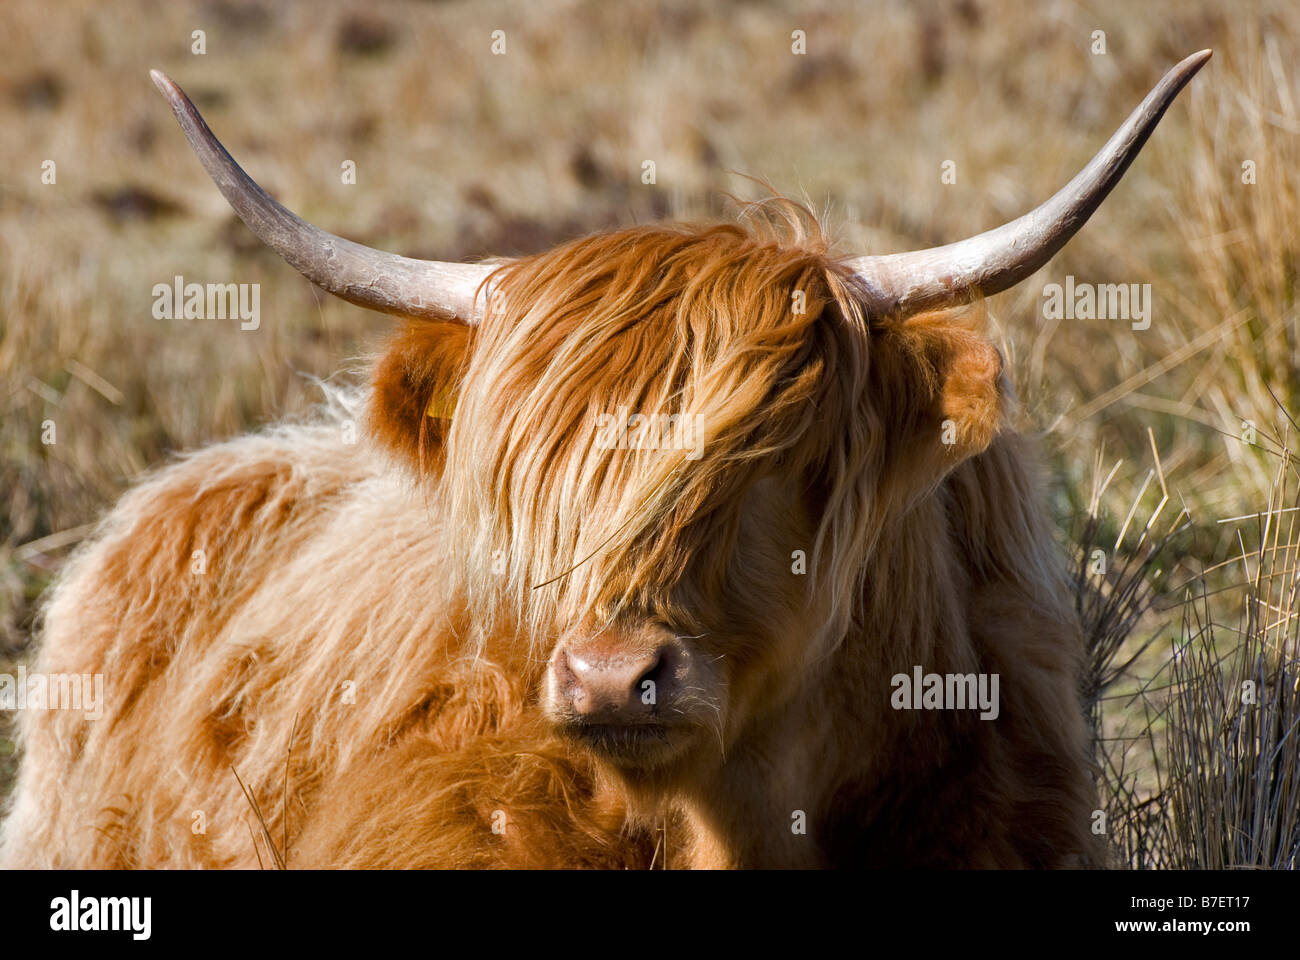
148 605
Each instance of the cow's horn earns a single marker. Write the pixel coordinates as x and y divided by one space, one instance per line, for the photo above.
360 275
902 284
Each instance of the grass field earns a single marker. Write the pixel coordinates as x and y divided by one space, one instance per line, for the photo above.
461 153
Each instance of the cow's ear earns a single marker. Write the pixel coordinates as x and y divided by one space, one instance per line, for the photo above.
948 393
415 388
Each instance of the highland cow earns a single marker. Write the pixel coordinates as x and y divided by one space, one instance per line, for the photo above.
481 637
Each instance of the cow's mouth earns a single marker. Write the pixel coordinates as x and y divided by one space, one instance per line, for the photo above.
627 744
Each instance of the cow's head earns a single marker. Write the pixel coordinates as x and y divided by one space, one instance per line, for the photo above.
668 452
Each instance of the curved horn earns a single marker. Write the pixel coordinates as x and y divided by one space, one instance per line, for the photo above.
901 284
360 275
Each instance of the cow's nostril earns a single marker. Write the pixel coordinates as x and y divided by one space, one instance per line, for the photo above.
646 689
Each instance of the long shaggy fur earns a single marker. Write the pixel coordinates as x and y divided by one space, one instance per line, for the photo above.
365 643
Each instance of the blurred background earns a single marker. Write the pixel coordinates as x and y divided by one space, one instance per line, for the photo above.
461 152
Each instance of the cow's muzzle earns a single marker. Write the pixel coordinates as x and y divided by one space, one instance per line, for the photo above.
632 696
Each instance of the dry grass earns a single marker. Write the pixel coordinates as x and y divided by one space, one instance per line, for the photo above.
1199 746
460 153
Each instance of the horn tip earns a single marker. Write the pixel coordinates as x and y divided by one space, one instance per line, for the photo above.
168 88
177 100
174 95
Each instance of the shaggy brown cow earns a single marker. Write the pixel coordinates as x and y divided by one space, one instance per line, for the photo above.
516 627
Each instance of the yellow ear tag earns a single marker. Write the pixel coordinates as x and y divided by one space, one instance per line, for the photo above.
441 405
